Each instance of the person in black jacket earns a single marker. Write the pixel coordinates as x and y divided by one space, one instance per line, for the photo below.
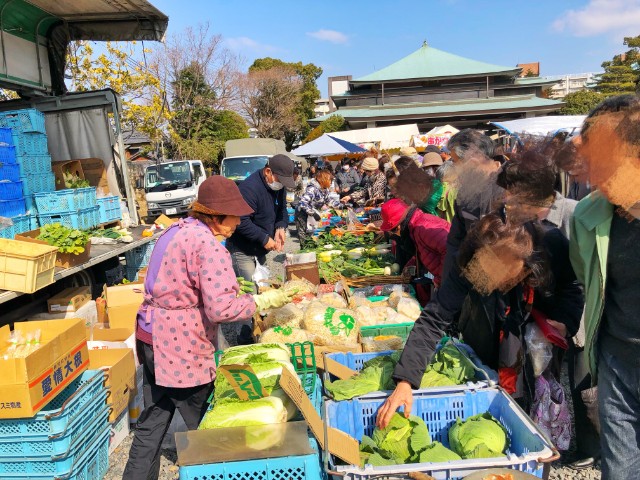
560 299
264 230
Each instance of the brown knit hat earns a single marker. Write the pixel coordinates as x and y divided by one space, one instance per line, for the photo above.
221 196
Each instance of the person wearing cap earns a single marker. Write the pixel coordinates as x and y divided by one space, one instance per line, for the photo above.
264 230
189 290
416 234
445 154
430 164
413 153
374 185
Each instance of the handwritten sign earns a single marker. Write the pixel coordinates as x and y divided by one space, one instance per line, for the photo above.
244 381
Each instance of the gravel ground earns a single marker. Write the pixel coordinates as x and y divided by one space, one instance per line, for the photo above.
169 470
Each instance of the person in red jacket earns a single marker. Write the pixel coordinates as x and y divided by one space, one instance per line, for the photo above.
417 234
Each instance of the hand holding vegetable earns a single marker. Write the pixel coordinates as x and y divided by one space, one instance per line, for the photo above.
246 286
271 299
402 396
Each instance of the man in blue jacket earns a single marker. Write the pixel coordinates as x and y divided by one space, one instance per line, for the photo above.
264 230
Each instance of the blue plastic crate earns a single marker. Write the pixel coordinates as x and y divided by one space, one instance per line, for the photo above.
65 200
27 120
71 467
485 376
79 434
30 143
138 257
33 220
34 164
89 218
132 274
57 415
21 223
12 208
295 467
10 190
30 205
6 137
109 209
439 411
38 183
67 219
8 154
10 171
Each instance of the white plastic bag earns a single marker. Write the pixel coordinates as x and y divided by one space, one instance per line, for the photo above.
540 349
261 276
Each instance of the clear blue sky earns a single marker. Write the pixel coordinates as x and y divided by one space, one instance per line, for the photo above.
354 37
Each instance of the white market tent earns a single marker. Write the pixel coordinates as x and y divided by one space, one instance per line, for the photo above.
444 130
542 126
389 137
327 145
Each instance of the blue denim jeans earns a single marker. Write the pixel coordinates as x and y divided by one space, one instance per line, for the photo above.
619 401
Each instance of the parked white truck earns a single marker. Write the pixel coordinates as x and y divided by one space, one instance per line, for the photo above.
171 187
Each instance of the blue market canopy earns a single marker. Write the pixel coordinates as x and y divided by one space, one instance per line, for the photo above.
327 145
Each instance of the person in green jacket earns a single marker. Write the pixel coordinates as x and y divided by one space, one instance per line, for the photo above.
605 235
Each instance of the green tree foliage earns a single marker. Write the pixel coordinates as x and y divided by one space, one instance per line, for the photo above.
309 93
200 128
335 123
581 103
622 73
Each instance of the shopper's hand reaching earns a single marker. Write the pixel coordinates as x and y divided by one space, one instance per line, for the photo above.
271 244
402 396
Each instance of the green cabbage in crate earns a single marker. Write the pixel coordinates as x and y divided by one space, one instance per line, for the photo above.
376 375
257 353
401 442
480 436
264 411
436 452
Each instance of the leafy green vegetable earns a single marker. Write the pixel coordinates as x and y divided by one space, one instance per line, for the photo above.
403 439
480 436
268 374
432 378
264 411
257 353
71 180
375 375
436 452
66 239
451 362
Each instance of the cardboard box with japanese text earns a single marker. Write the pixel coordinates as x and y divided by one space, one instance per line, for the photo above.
120 377
32 375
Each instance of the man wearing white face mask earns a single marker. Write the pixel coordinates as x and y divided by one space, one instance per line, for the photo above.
264 230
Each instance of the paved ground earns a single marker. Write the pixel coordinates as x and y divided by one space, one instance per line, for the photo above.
169 470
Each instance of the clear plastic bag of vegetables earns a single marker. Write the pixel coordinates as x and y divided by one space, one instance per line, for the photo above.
285 334
288 316
330 325
333 299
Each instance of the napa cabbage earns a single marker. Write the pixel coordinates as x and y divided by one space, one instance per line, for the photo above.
403 439
264 411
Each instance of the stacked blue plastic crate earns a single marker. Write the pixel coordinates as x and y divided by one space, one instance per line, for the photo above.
68 438
72 207
138 258
25 161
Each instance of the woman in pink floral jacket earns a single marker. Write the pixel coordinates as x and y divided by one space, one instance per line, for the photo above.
190 288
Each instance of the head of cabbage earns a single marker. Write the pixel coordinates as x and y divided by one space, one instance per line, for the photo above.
402 440
480 436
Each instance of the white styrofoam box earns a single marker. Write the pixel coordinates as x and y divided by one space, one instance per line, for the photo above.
87 312
119 430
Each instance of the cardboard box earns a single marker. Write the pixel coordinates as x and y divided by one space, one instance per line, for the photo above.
95 173
123 302
69 300
303 270
101 310
63 260
136 406
27 384
119 431
73 167
164 221
86 312
120 377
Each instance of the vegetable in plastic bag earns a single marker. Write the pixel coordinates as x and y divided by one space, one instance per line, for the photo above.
285 334
382 343
370 316
263 411
331 326
359 300
268 373
299 286
287 316
242 354
409 307
333 299
396 295
540 349
480 436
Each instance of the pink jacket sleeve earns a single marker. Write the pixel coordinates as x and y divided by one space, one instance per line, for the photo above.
217 283
430 236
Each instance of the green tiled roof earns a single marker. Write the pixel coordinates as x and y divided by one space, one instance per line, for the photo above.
445 107
534 81
430 63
